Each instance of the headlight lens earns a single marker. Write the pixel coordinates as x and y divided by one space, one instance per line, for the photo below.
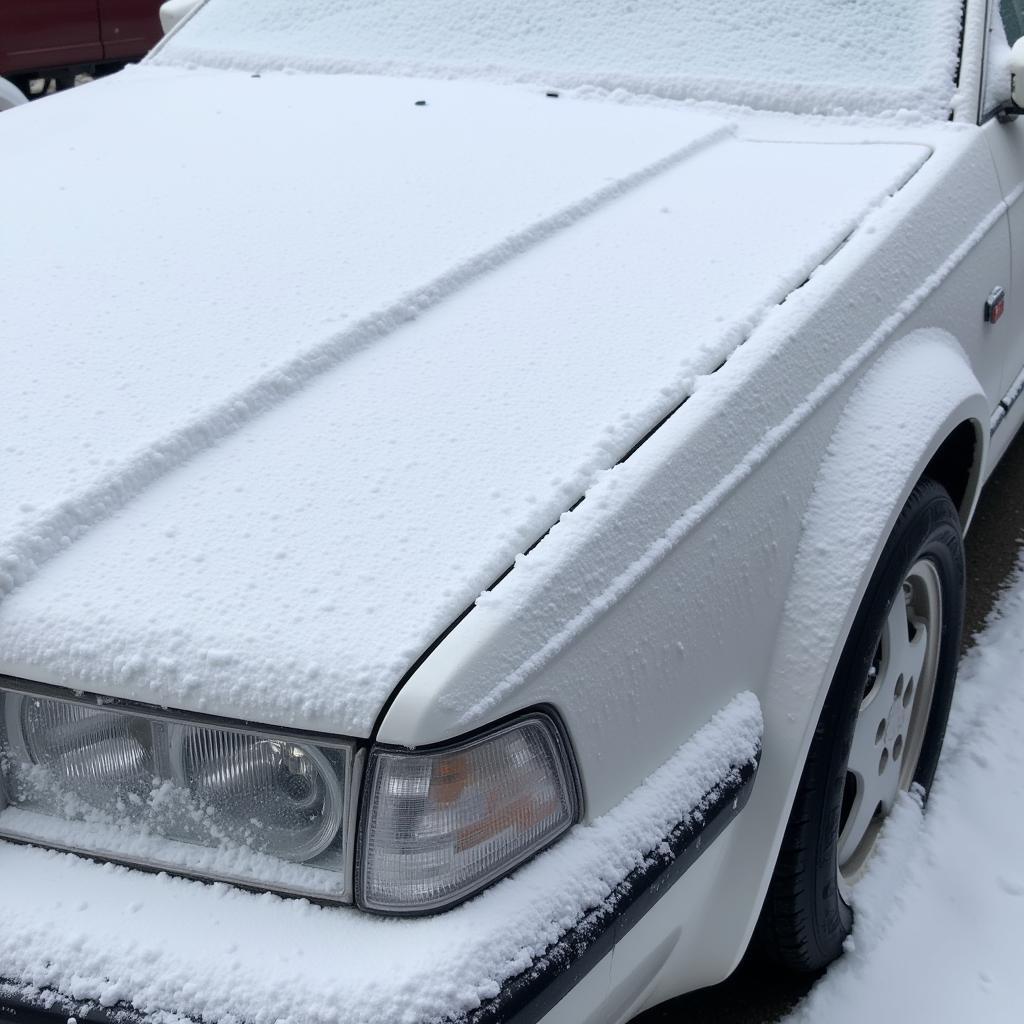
96 754
438 826
276 811
240 805
289 789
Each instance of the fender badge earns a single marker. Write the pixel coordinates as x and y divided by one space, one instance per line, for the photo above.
995 306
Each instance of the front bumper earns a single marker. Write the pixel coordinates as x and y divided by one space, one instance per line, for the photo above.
552 982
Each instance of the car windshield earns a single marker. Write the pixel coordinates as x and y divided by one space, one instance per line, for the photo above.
809 56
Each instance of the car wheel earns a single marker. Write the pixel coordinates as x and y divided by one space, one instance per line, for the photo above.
880 732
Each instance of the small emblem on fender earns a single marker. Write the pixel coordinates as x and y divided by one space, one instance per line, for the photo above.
996 306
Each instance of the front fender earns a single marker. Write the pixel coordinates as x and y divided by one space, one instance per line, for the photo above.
898 416
907 403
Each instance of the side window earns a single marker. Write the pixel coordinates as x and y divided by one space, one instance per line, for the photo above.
1013 19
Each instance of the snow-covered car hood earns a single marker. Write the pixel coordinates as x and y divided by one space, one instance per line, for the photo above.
295 366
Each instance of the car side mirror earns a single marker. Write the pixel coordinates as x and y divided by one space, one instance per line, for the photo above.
1008 111
173 12
1017 74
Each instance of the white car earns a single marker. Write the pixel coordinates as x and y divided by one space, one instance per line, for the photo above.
10 95
483 495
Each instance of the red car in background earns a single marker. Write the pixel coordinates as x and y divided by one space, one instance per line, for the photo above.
58 39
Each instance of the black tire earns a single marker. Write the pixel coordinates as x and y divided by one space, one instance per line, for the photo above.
805 919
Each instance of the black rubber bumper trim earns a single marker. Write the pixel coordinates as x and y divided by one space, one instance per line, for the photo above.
17 1006
526 998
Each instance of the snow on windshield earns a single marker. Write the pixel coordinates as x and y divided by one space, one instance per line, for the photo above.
810 56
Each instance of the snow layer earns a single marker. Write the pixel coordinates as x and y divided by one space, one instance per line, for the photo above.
937 930
315 464
110 935
811 56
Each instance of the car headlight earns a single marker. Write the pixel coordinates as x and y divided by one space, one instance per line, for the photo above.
276 810
440 825
255 807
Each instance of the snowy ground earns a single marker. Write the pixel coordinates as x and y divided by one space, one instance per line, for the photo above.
938 936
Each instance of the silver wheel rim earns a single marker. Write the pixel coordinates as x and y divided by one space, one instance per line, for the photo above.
893 718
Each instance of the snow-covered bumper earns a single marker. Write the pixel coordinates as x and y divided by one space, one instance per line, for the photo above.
101 942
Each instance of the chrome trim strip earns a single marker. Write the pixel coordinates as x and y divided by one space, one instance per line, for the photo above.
997 418
1016 390
1009 400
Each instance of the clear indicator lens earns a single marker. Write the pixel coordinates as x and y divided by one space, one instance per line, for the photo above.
439 826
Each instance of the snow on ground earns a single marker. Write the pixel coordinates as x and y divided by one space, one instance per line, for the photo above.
938 929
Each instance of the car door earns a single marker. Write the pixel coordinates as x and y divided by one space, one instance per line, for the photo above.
1006 141
43 34
129 28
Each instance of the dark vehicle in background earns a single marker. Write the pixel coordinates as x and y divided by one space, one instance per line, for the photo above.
59 39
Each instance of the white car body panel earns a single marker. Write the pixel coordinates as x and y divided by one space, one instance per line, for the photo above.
442 323
678 487
10 95
727 553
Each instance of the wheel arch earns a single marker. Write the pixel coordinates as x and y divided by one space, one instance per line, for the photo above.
919 409
957 465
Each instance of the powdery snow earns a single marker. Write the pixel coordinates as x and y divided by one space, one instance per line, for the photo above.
107 934
309 463
516 589
809 56
938 915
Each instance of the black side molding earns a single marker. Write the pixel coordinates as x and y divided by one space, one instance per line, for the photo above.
16 1007
526 998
